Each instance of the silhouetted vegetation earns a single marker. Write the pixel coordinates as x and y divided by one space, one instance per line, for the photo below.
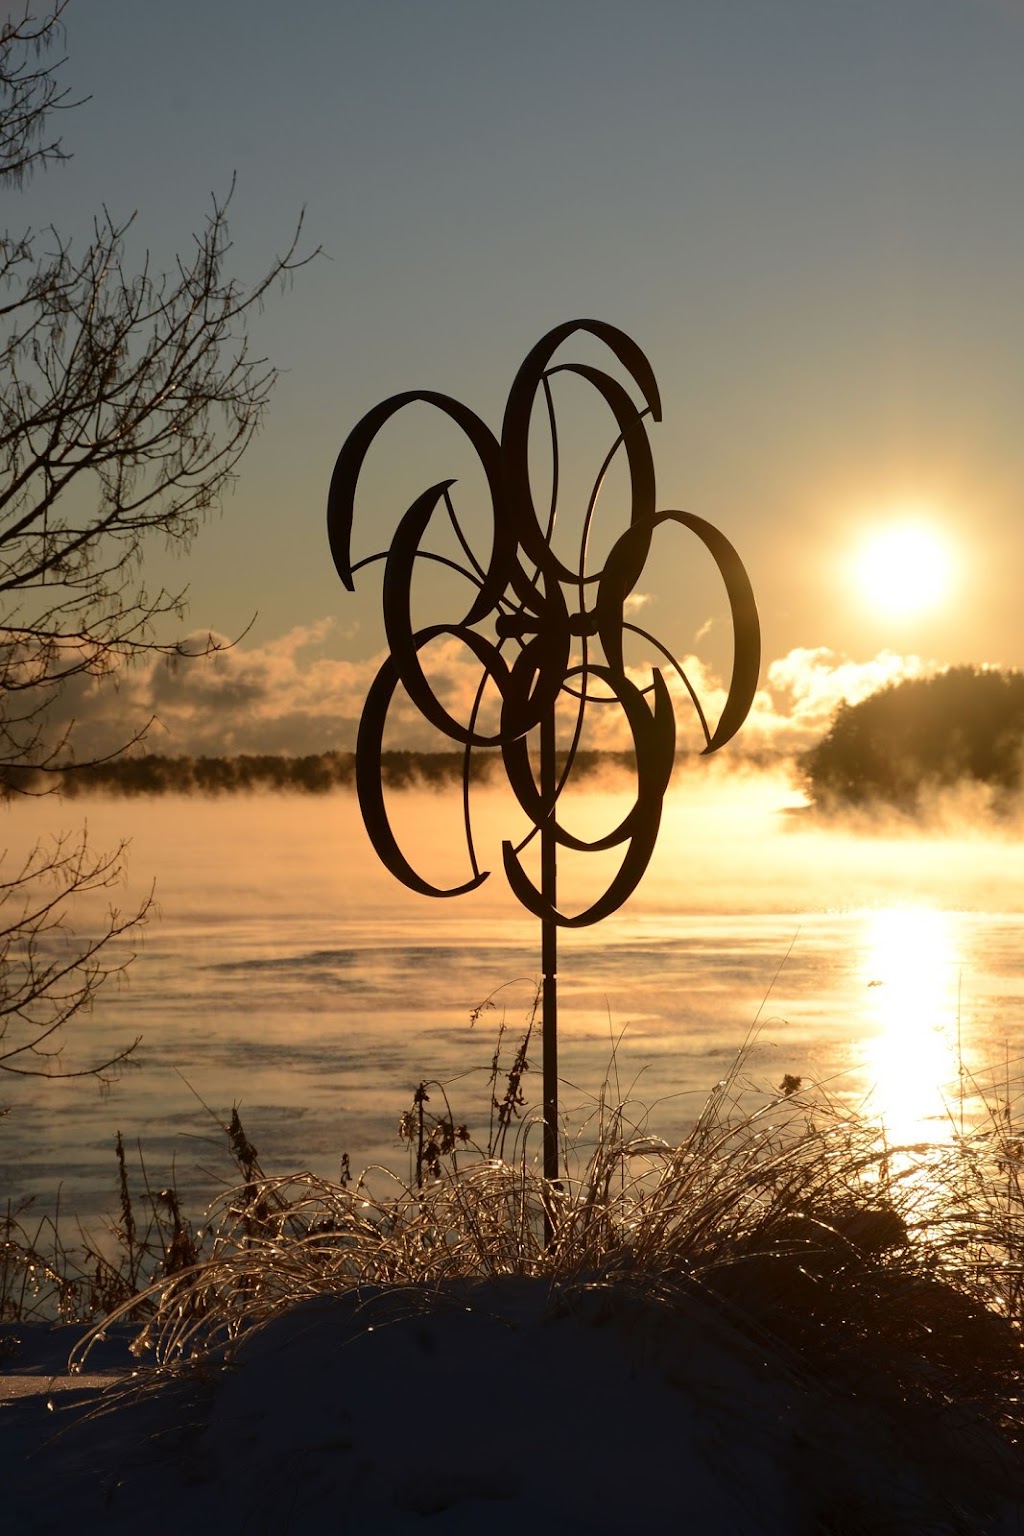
964 726
314 774
127 400
894 1274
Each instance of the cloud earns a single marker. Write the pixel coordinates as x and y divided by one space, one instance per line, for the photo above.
794 705
803 689
288 696
279 697
792 709
634 601
275 697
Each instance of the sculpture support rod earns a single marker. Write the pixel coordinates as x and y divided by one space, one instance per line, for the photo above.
549 947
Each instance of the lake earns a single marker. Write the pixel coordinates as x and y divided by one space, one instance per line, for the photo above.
288 973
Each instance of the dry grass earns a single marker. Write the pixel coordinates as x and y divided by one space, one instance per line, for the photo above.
896 1270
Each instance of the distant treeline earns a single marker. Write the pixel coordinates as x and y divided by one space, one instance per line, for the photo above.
314 774
960 727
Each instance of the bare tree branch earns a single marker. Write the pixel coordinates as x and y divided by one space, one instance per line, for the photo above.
48 976
127 399
29 93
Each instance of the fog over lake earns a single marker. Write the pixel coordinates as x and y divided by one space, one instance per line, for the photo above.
288 973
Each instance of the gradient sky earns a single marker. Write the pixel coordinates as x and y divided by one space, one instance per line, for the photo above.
809 213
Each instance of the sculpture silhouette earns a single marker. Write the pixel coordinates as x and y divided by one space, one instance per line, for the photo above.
522 628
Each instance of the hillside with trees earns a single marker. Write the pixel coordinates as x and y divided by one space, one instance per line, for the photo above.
962 726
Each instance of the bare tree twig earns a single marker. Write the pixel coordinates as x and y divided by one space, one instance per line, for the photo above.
127 399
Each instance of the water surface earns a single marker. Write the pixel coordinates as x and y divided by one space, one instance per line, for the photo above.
286 972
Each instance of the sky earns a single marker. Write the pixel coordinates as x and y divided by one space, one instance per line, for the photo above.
809 215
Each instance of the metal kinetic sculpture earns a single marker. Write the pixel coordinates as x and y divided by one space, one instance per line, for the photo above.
530 613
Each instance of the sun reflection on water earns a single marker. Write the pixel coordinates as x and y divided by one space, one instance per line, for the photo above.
911 968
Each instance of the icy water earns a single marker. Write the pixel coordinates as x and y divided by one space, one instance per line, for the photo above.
287 973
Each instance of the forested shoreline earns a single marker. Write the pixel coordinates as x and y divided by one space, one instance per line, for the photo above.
960 727
315 773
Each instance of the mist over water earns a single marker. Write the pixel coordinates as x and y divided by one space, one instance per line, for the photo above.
288 973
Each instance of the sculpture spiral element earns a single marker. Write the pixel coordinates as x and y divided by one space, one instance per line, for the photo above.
522 626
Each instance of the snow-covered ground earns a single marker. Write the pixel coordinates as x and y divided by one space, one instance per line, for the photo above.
503 1407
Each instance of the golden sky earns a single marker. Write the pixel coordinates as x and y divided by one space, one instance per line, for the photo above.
809 215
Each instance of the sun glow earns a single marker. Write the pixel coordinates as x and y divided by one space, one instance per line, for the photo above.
911 969
904 569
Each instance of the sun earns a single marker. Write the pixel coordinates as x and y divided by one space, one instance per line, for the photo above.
904 569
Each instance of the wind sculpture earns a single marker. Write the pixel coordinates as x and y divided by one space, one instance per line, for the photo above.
530 614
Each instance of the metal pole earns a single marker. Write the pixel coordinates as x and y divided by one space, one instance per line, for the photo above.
549 948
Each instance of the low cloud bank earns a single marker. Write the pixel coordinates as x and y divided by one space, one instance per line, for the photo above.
287 696
803 690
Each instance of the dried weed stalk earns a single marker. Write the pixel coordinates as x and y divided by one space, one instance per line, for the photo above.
859 1258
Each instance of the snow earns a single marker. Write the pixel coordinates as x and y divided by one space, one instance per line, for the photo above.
499 1406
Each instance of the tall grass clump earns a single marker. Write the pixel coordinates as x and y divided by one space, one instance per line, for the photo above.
880 1268
45 1278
